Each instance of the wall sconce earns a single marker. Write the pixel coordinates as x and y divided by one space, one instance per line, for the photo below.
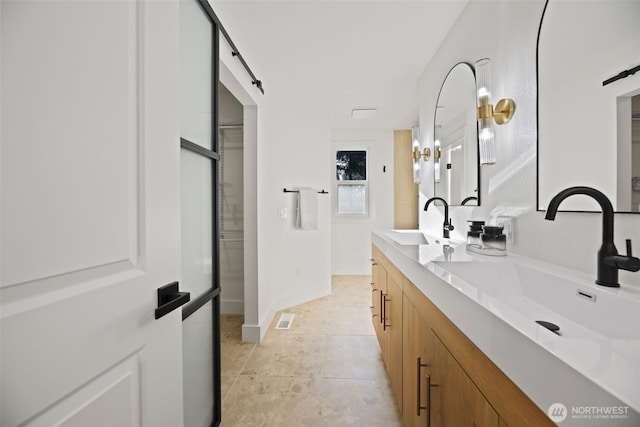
487 113
425 154
437 153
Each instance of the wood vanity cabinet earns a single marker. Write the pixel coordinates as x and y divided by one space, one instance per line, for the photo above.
445 380
393 330
417 349
378 289
387 318
434 384
455 399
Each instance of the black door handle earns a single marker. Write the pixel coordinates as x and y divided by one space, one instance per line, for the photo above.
169 298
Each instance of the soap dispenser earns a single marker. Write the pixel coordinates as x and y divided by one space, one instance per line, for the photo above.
475 230
486 239
492 238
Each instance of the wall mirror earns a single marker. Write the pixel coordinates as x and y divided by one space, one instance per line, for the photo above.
588 102
455 154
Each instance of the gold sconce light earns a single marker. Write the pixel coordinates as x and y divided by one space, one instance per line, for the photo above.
437 153
425 154
488 114
417 154
501 113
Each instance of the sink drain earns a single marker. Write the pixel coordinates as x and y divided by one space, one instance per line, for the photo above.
550 326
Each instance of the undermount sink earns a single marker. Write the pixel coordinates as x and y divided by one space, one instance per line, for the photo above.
414 237
522 295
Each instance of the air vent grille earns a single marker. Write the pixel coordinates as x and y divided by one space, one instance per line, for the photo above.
285 321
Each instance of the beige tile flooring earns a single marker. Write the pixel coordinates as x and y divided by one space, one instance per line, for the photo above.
326 370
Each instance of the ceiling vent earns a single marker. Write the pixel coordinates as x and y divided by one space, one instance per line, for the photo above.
364 113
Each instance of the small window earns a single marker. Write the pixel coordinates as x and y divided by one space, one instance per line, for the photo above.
351 182
351 166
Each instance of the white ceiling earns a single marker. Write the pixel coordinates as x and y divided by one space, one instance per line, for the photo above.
333 56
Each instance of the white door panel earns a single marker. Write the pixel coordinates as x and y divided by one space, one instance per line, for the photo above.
119 387
65 143
90 210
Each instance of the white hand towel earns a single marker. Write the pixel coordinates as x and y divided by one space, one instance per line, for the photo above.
307 209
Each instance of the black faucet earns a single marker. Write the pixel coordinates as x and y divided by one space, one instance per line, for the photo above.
609 262
446 226
468 199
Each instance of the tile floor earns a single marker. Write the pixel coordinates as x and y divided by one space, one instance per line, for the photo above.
326 370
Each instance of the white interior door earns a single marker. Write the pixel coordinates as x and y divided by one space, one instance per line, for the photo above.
90 213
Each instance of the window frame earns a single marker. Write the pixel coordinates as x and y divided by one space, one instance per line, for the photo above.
343 183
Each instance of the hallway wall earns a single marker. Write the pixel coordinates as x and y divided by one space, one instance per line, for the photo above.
351 236
290 266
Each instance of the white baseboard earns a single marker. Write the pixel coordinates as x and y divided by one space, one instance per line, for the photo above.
251 333
255 333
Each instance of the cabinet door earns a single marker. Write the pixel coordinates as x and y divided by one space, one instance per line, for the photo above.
379 283
416 339
392 325
455 400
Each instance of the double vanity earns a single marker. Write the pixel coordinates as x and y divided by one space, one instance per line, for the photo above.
473 339
531 341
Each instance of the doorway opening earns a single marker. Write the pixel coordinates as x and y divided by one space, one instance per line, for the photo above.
231 191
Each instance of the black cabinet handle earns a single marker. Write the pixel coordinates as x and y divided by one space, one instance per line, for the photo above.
419 366
384 312
170 298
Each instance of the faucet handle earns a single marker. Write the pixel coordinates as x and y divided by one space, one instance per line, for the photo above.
634 263
624 262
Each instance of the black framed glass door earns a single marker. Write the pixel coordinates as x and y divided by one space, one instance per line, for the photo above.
199 157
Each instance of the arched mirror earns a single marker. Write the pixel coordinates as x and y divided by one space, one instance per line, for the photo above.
589 102
455 154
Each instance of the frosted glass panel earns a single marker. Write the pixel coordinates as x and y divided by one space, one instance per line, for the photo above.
352 199
197 223
196 90
197 347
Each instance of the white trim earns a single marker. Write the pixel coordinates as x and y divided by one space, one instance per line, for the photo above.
337 183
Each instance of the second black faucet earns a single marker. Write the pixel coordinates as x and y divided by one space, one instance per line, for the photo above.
446 226
609 261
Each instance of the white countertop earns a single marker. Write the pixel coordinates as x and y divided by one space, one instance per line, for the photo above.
592 367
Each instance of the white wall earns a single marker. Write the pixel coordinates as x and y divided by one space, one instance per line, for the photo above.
509 32
292 143
351 236
297 266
